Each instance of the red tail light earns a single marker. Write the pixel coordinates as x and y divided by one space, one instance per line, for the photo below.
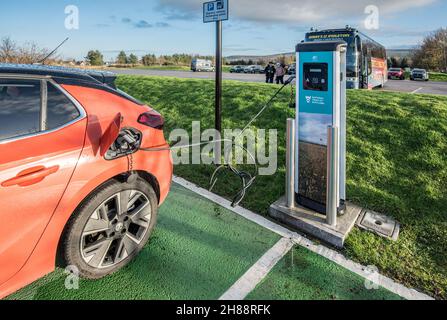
152 119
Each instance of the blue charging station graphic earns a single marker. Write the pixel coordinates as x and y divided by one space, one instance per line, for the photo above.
321 102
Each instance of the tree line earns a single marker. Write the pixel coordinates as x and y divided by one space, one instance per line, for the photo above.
431 54
96 58
283 59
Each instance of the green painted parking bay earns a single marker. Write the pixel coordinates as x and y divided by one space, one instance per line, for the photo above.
198 251
304 275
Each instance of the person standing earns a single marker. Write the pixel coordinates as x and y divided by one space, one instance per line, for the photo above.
280 73
270 71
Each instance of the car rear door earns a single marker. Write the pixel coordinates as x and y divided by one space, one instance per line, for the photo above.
42 133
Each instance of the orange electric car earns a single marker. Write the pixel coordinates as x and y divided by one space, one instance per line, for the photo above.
75 184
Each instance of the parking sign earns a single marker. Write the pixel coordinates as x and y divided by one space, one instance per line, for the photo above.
215 11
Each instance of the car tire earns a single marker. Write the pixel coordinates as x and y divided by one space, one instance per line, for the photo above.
91 214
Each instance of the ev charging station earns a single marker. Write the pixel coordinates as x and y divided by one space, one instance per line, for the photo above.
320 175
315 201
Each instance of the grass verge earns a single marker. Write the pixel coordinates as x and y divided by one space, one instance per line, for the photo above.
397 147
437 76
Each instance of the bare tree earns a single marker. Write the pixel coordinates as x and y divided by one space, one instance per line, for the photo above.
31 53
28 53
8 50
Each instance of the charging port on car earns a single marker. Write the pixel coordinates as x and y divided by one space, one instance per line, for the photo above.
128 142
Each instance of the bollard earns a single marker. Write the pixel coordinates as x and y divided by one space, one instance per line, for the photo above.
332 176
290 164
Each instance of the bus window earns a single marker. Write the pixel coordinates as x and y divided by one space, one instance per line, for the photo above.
352 58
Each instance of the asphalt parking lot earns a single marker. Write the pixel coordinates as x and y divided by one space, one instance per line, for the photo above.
392 85
429 87
201 250
244 77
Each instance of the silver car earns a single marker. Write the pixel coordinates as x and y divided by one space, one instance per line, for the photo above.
254 69
419 74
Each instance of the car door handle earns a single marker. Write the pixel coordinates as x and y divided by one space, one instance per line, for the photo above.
30 176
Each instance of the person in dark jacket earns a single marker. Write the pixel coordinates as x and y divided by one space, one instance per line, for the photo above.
270 71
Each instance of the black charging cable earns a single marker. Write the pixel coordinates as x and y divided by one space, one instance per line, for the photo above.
247 179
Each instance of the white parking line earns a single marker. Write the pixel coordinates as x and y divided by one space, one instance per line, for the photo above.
332 255
248 282
417 90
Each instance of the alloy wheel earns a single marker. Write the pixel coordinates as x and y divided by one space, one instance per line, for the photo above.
116 229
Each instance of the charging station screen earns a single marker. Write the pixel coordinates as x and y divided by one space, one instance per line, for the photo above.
315 76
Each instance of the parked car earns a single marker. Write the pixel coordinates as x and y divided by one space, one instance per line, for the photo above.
419 74
396 73
74 182
254 69
237 69
198 65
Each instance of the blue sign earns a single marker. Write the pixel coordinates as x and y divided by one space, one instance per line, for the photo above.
215 11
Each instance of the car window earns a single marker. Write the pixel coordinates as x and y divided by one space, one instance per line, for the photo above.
60 109
20 104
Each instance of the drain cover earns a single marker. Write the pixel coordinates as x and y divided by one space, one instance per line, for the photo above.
380 224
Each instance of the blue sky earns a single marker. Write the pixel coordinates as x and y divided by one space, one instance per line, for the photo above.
256 27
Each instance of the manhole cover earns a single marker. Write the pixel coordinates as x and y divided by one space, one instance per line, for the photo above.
379 224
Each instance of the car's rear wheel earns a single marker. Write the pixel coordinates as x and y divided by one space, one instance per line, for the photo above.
110 228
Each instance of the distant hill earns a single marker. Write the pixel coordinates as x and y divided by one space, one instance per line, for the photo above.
272 57
399 53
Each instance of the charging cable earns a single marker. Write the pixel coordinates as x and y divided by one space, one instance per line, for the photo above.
247 179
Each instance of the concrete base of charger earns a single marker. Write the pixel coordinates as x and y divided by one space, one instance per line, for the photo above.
314 224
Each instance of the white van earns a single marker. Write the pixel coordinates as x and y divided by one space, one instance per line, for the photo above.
198 65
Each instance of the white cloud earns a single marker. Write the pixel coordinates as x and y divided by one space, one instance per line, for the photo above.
299 11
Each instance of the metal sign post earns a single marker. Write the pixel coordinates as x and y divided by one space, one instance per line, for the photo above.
217 11
218 96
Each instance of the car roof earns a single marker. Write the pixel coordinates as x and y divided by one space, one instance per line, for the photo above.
84 75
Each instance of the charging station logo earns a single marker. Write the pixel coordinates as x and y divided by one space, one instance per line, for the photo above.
308 99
